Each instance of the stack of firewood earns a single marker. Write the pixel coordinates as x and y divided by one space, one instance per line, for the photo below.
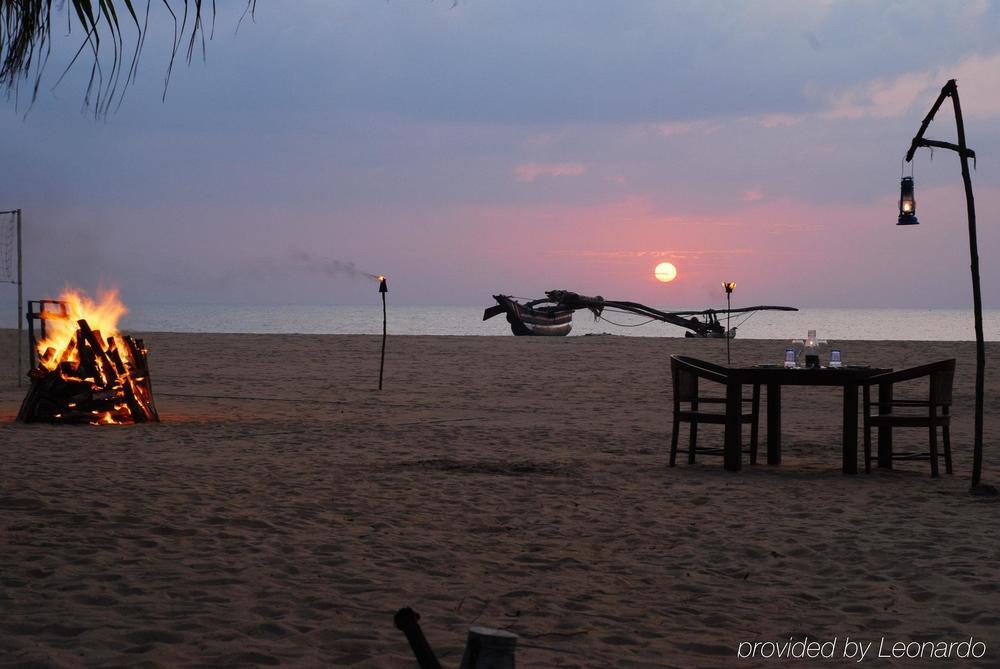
92 380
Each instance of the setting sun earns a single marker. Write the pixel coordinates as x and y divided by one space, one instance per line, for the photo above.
665 272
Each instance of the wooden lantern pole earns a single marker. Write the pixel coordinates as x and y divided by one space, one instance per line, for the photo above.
383 288
950 89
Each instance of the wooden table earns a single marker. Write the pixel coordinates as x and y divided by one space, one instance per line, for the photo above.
848 378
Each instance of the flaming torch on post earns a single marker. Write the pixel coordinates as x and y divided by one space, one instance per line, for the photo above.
383 288
729 287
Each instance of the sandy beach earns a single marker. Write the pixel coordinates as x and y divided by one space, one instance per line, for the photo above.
284 509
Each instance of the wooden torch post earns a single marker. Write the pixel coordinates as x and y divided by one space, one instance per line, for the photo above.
729 286
383 288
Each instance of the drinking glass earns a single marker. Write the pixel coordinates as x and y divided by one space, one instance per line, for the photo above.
835 360
790 361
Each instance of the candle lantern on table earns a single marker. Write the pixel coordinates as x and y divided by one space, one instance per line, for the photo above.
811 349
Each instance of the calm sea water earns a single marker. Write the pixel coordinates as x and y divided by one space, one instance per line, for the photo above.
833 324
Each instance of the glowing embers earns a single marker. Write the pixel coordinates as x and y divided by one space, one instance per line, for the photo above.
80 374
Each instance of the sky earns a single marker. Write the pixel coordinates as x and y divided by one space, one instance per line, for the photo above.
515 147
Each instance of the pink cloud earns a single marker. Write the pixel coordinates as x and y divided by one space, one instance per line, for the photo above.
980 74
881 99
753 195
531 171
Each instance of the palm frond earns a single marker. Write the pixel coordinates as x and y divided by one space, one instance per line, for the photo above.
114 33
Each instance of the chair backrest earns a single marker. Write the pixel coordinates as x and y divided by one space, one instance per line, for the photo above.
942 377
705 364
686 372
685 381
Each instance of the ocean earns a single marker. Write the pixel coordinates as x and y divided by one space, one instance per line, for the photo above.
830 324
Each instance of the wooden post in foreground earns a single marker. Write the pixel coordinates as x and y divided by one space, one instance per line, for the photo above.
408 621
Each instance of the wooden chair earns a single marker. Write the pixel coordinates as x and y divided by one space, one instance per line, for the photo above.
931 413
687 373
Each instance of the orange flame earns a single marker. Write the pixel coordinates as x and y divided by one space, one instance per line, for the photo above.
102 315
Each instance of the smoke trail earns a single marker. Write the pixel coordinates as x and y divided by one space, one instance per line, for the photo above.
330 266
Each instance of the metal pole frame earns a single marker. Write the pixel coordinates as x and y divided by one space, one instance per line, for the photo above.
20 305
20 297
950 89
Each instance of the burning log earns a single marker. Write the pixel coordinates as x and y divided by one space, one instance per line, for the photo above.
105 372
82 377
68 351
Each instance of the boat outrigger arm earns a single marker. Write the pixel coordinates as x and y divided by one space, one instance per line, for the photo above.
553 314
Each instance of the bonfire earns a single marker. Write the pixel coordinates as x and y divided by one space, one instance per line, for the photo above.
84 370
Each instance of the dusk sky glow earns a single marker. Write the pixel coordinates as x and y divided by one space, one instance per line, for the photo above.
518 147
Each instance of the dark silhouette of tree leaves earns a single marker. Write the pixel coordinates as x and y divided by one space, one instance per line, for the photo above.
113 34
